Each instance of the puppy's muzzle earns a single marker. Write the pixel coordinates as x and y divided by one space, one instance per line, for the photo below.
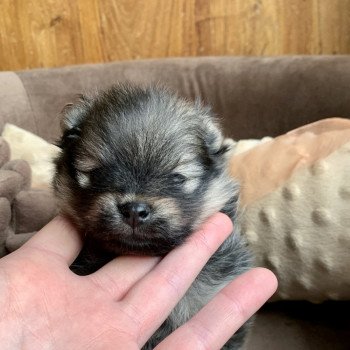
135 213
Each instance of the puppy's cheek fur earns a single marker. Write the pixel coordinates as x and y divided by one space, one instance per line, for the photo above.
103 206
167 209
65 197
219 192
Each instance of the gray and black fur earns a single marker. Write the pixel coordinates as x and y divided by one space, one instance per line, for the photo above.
140 169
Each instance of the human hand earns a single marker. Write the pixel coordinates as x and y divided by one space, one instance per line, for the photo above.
46 306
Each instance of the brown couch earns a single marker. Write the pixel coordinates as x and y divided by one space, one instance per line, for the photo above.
255 97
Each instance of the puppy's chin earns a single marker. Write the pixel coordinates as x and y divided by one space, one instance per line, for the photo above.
140 241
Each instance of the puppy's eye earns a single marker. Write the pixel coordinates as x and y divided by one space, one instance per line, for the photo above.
73 133
68 137
177 178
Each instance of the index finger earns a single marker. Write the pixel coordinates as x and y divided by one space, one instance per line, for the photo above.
166 284
58 237
224 314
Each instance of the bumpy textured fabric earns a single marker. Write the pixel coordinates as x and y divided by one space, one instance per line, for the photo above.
296 201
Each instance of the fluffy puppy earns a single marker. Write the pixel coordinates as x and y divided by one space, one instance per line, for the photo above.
140 169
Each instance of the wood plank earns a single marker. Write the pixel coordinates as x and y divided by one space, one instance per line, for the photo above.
52 33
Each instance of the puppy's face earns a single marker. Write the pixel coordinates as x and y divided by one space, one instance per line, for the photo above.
140 169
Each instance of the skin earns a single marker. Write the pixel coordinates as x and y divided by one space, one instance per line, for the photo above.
46 306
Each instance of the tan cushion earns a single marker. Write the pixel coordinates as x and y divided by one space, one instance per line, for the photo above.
295 198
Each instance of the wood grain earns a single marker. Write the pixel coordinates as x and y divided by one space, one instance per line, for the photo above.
51 33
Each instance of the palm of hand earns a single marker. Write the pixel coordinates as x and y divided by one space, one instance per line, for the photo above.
49 312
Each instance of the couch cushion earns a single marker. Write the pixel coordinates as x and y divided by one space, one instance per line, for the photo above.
14 102
255 96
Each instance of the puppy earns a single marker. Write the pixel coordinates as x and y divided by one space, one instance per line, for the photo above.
140 169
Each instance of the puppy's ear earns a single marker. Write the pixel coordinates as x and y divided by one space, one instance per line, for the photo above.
73 114
217 145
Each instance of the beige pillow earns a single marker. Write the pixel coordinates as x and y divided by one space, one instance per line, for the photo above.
35 150
295 200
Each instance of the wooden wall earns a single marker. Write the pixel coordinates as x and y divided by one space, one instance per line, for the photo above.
50 33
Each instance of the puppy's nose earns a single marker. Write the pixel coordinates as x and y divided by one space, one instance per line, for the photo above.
135 214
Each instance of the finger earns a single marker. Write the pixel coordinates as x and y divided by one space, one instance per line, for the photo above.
119 275
165 285
58 237
214 325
